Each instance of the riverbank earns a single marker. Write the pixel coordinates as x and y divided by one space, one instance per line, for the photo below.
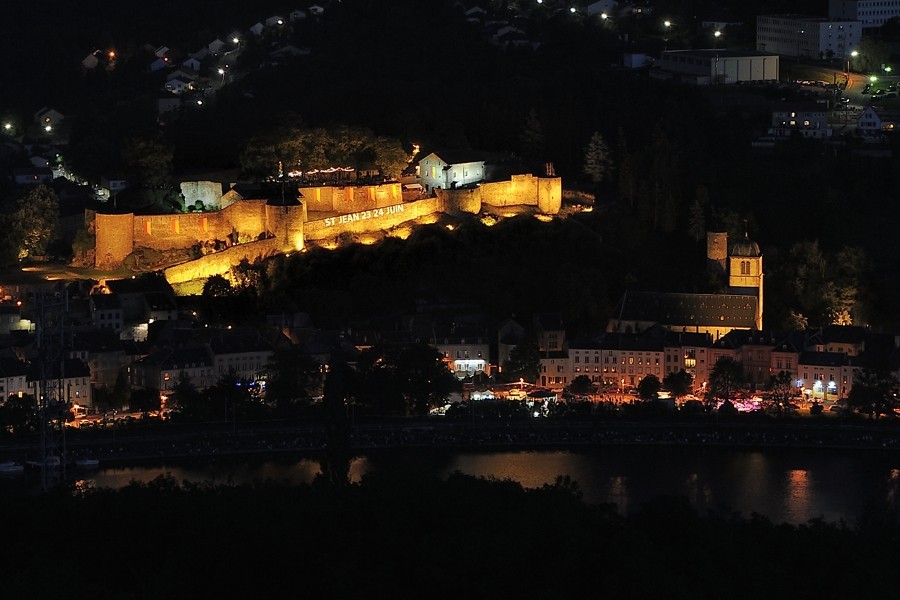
135 444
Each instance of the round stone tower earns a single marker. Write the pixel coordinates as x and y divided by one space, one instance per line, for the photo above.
717 251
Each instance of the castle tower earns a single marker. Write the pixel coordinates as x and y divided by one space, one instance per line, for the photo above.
717 251
745 272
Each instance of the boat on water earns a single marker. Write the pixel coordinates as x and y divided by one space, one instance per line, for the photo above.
8 467
87 463
50 461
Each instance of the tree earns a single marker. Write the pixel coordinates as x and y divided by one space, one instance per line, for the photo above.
148 161
596 158
190 404
291 379
581 385
679 383
405 379
532 137
874 392
229 397
390 157
648 387
725 378
524 362
426 380
216 286
19 415
35 221
781 391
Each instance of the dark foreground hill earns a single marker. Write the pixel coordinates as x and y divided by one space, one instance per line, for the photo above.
398 538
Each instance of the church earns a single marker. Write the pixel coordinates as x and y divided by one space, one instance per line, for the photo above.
714 314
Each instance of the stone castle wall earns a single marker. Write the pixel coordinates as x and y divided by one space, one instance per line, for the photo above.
377 219
350 199
545 193
221 262
207 192
542 192
165 232
360 209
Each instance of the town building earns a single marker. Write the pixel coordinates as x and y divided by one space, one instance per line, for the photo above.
13 374
874 120
807 36
869 13
717 66
798 119
449 169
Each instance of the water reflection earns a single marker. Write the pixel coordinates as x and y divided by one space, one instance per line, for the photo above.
797 496
781 485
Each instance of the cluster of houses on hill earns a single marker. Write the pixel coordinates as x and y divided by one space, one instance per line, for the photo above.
191 77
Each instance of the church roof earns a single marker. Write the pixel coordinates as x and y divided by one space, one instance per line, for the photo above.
701 310
746 247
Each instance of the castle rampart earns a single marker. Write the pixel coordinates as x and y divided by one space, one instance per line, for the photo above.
352 209
377 219
221 262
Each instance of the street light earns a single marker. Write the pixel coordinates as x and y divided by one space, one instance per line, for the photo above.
221 72
668 26
853 55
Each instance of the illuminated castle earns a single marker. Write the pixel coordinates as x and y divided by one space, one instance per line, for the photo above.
256 225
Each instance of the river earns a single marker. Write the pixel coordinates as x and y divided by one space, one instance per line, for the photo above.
784 485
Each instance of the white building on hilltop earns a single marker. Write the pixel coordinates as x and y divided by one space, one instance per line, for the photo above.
870 13
808 37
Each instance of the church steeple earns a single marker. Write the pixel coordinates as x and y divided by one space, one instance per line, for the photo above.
745 272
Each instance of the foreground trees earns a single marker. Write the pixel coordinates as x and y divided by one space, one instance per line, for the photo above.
378 539
406 379
874 392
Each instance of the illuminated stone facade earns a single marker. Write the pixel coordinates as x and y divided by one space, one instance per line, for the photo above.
256 227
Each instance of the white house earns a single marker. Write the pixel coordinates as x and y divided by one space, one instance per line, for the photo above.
877 120
245 354
316 10
106 311
808 120
191 63
296 15
257 29
602 7
70 379
48 117
215 46
12 378
110 185
275 21
159 64
32 176
450 169
91 61
179 85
